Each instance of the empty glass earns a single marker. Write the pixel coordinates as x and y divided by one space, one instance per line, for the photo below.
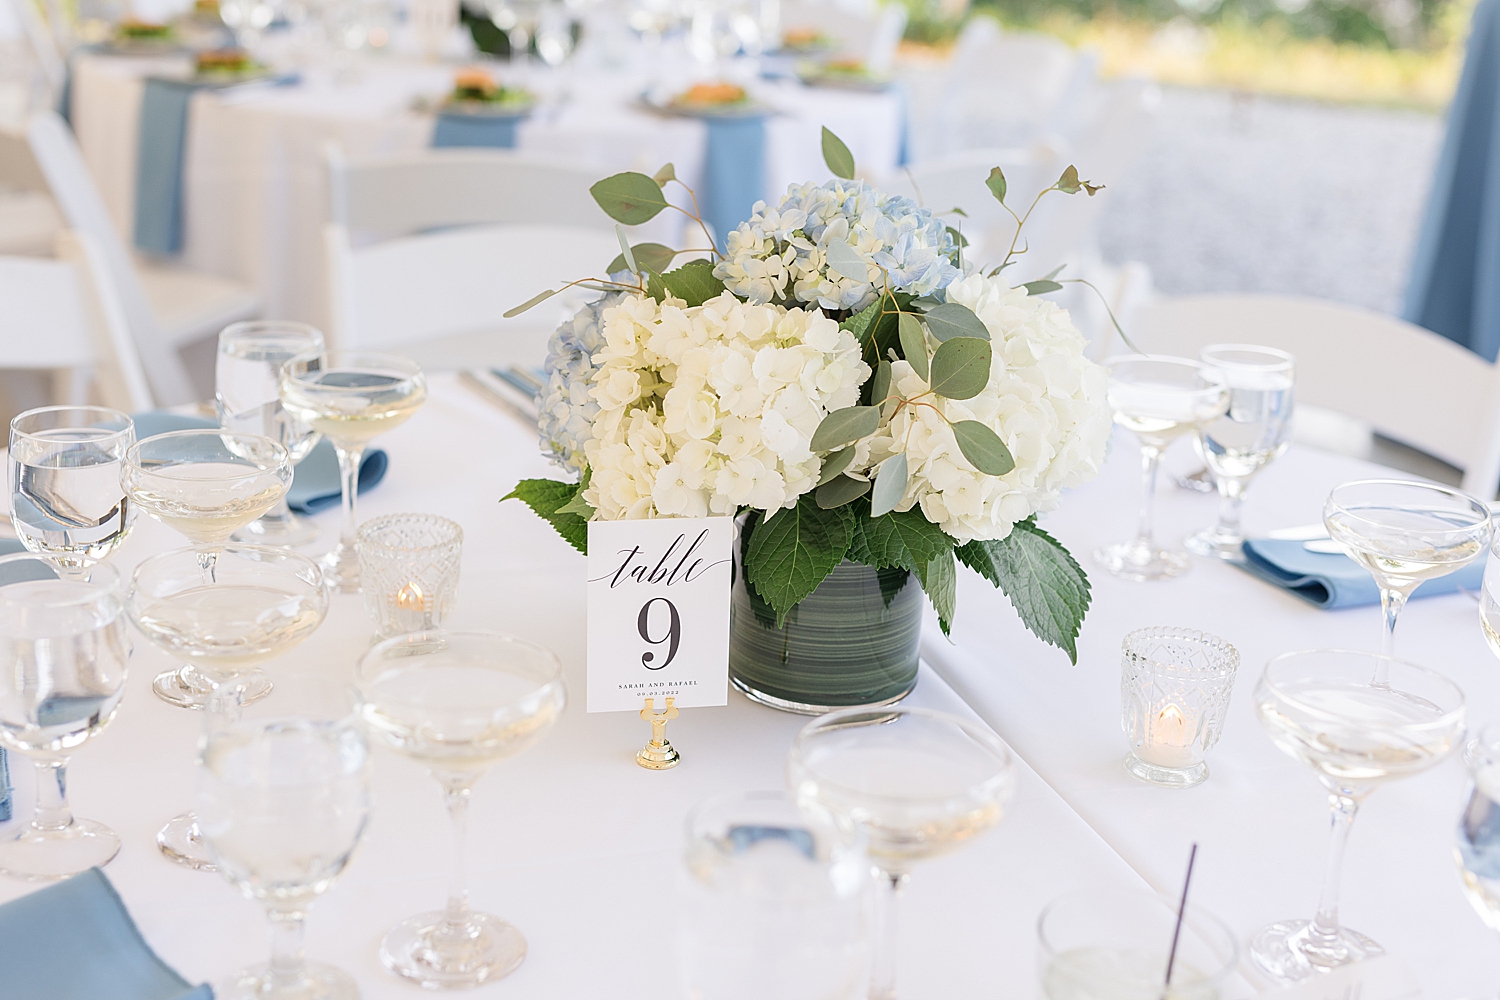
283 800
247 395
409 567
64 648
1160 399
66 500
916 783
1404 533
1255 429
457 703
775 904
1175 685
1357 720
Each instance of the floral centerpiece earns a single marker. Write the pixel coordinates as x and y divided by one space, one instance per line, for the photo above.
843 380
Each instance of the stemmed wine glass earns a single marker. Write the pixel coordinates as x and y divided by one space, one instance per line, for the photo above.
1255 429
66 500
916 783
247 395
350 397
65 650
1404 533
1160 399
457 703
1358 720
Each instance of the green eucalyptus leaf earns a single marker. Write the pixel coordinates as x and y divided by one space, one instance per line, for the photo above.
996 183
983 448
1054 272
840 161
926 302
958 237
1041 287
844 259
961 368
625 252
665 174
955 210
1068 182
950 320
534 300
630 197
841 490
652 257
844 427
913 344
880 383
890 485
835 464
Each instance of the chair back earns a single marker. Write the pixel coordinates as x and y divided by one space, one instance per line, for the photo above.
1407 383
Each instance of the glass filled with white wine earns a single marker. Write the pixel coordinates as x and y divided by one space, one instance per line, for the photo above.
1404 533
351 397
915 783
1358 720
1159 399
457 703
1255 429
1478 843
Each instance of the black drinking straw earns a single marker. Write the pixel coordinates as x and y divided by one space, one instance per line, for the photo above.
1181 909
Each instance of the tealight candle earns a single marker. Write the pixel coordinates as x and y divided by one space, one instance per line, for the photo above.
1174 686
409 571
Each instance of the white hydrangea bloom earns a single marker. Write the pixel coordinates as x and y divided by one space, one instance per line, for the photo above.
1044 399
705 409
780 254
565 411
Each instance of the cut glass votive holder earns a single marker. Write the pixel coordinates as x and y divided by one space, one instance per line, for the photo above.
1175 685
409 567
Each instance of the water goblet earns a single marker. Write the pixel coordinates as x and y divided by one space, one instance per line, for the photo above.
283 800
66 500
915 782
65 649
350 397
1358 720
1160 399
247 395
457 703
1255 429
1404 533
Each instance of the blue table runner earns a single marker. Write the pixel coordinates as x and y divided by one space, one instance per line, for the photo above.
734 172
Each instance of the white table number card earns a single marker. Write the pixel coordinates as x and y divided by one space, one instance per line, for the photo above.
659 612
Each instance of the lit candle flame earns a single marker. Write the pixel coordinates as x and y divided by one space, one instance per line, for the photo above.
1171 726
411 597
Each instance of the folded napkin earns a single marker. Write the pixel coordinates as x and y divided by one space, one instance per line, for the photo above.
734 172
74 940
160 142
1333 580
494 131
315 480
5 803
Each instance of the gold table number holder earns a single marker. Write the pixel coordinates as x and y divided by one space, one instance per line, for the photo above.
658 755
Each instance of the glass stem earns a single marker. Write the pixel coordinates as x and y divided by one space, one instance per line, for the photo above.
208 561
1324 930
52 811
349 460
280 515
1392 601
456 913
885 938
1231 498
288 968
1150 458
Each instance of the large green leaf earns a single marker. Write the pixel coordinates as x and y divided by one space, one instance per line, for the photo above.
693 283
890 485
846 426
862 323
904 539
652 256
983 448
547 497
913 344
1049 589
837 156
951 319
841 490
630 197
940 582
961 368
794 551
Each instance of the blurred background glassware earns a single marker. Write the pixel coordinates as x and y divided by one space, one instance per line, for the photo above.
518 19
1159 399
283 801
457 703
247 395
775 905
556 33
1358 720
715 33
1175 685
915 782
263 602
1404 533
248 19
409 564
66 499
65 650
1254 431
351 397
1114 943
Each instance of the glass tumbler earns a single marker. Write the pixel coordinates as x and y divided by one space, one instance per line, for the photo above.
409 567
1174 693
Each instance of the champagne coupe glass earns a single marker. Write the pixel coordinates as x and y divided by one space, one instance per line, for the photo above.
65 649
350 397
66 500
247 395
774 905
457 703
916 783
1358 720
283 800
1255 429
1478 850
1160 399
263 602
1404 533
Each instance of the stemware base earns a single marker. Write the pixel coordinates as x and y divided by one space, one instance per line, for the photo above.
341 569
181 841
430 953
1135 560
1216 543
1167 777
38 855
1289 952
289 531
185 687
319 982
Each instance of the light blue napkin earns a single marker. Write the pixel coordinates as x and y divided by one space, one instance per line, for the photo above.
75 941
1333 580
494 131
5 804
315 480
734 172
160 143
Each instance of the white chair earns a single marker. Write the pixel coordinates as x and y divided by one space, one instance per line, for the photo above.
427 251
1407 383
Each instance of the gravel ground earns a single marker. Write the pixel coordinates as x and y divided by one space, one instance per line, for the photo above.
1247 193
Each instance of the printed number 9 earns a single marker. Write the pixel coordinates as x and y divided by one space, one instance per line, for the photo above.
674 633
